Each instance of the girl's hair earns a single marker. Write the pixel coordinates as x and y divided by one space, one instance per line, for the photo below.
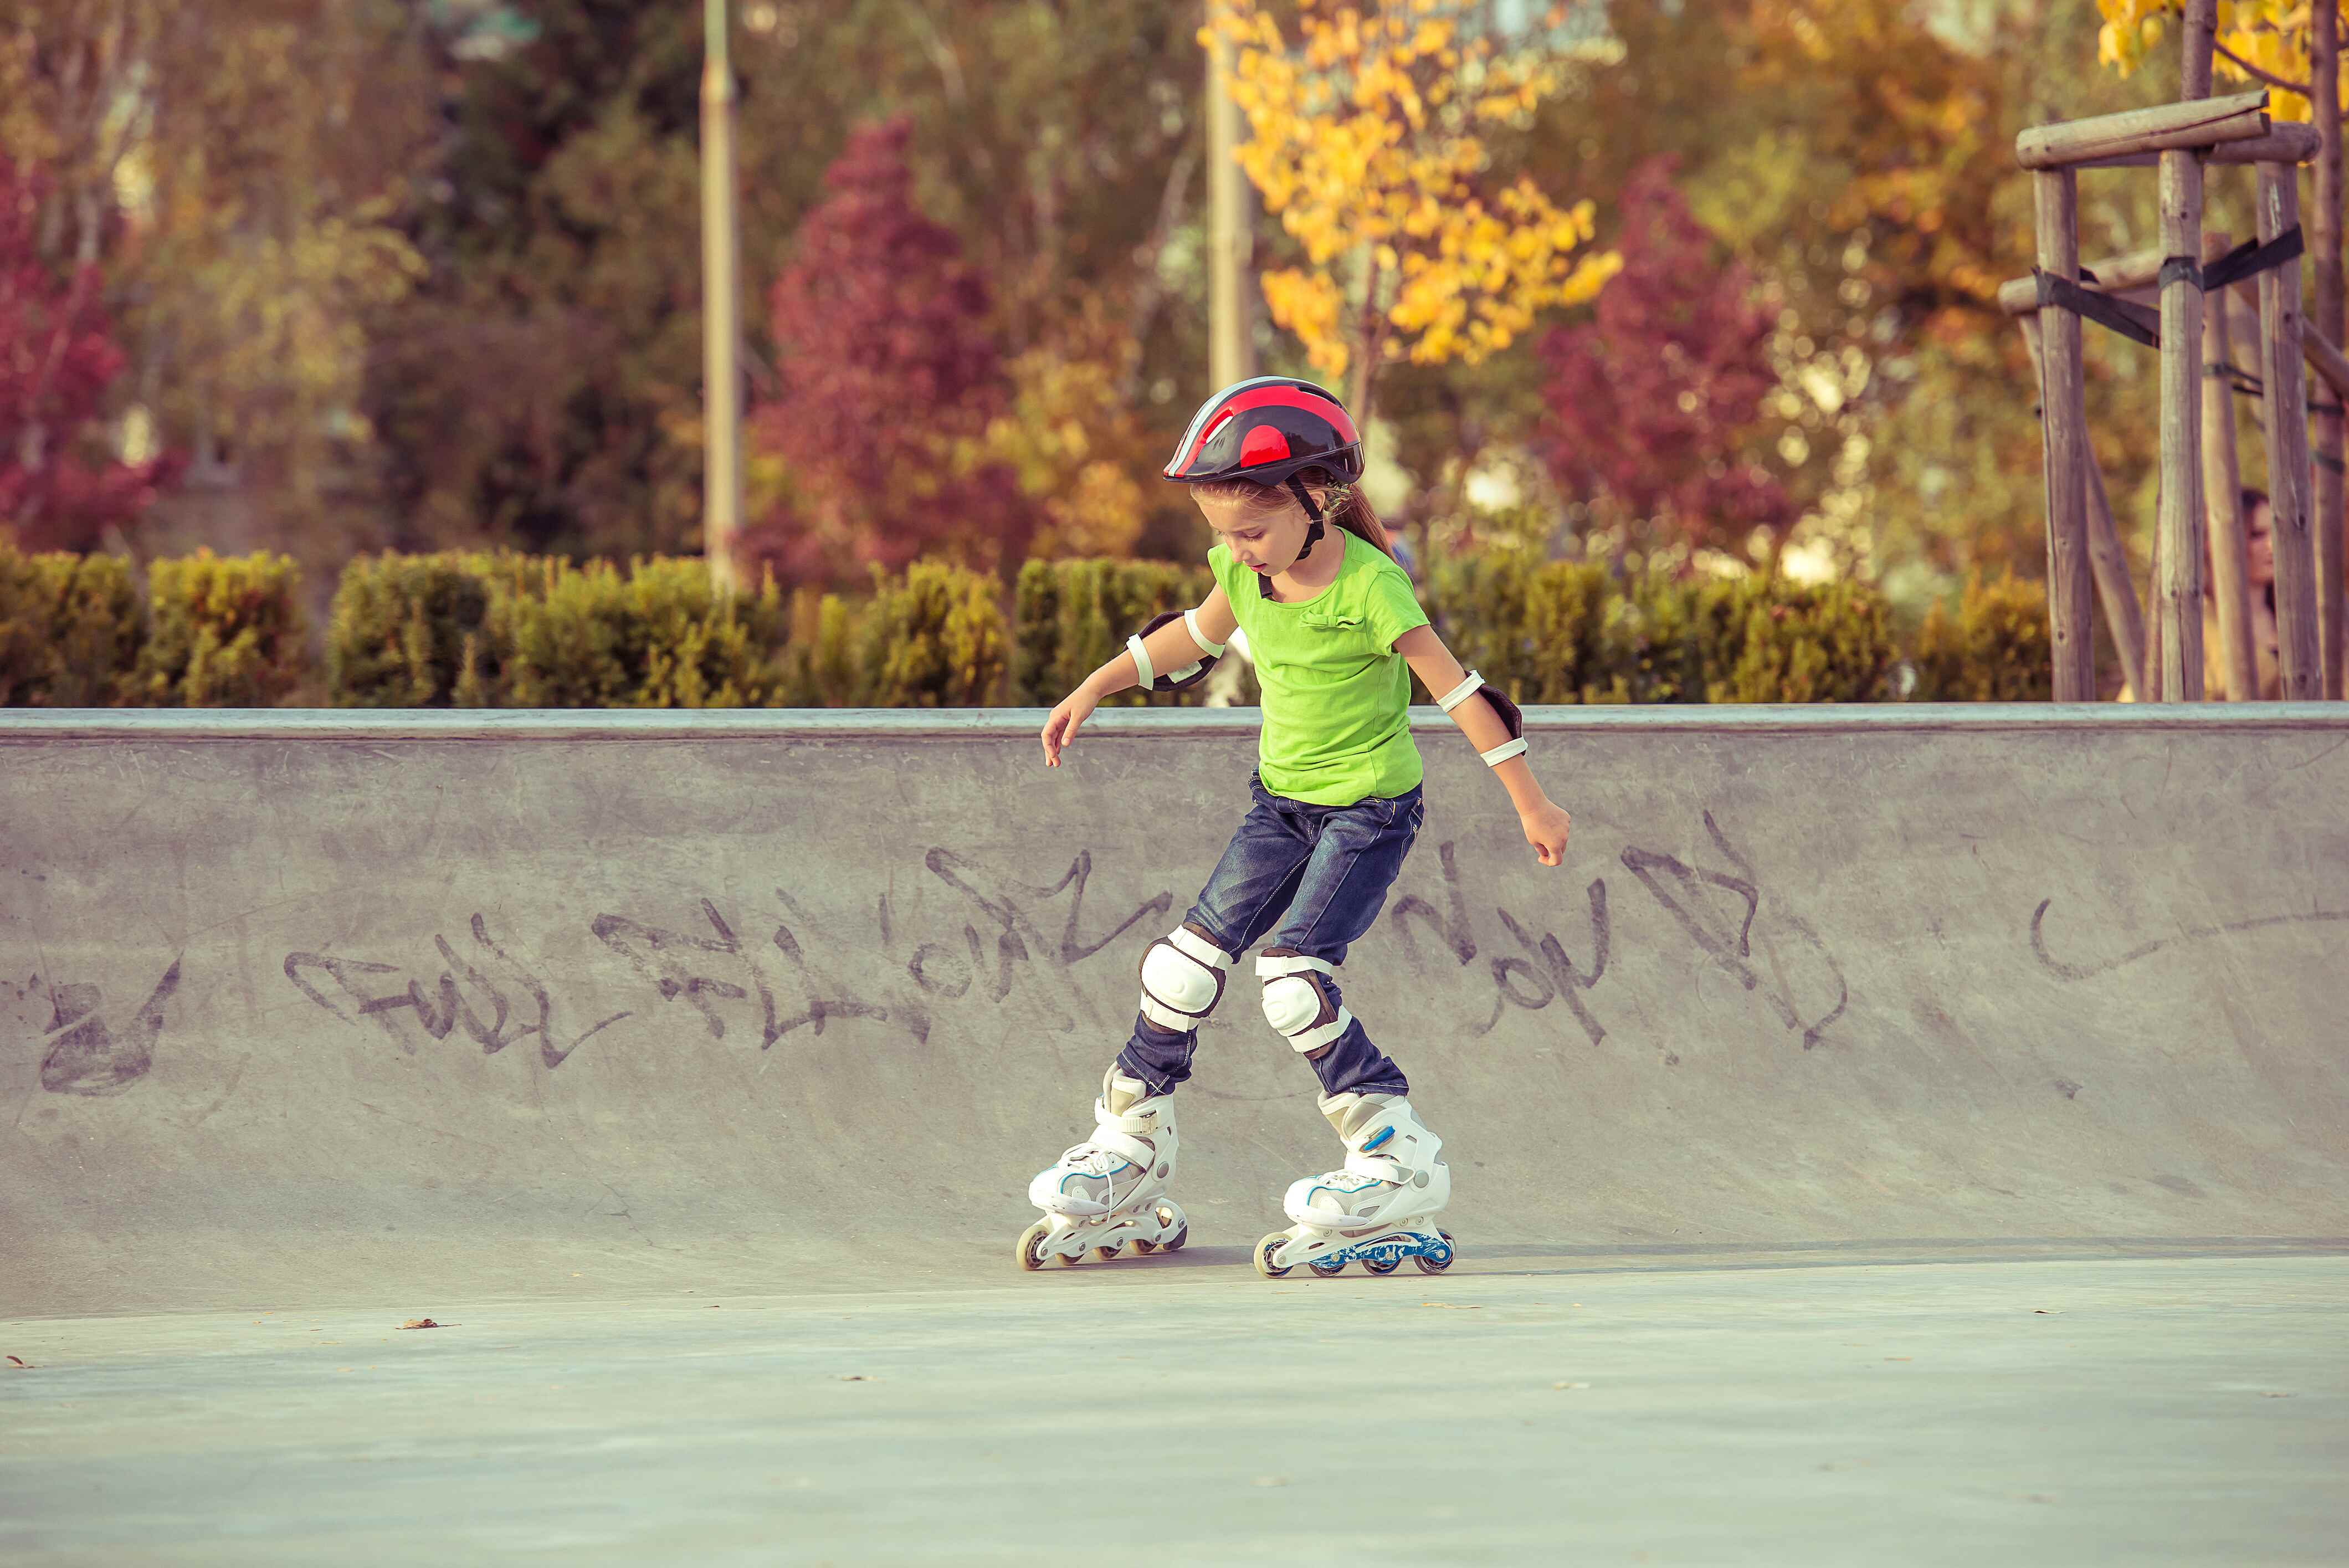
1345 504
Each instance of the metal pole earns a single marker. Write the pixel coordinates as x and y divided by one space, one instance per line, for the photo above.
1231 355
721 308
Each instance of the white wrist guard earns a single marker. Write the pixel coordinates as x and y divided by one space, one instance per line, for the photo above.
1515 746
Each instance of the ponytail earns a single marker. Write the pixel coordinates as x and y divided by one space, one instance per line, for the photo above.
1356 516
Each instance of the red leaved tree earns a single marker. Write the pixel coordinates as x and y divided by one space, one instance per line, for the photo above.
1652 403
59 488
889 371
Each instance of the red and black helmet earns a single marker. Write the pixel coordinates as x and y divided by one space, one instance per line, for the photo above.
1269 429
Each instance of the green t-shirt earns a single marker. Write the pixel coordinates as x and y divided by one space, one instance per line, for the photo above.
1337 695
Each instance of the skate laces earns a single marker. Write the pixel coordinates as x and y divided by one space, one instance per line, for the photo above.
1092 1159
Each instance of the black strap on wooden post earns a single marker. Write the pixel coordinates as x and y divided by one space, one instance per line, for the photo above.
2142 324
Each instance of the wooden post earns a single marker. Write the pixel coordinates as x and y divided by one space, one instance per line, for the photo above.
2116 593
2222 490
2203 124
722 310
2297 645
1231 266
2123 617
2065 420
2325 253
2199 36
2178 587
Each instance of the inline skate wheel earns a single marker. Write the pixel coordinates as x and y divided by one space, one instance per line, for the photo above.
1327 1270
1142 1248
1029 1251
1428 1265
1104 1254
1173 1243
1264 1252
1382 1265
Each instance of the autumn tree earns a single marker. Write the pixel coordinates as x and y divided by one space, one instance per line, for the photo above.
889 376
1654 404
61 486
232 169
1368 143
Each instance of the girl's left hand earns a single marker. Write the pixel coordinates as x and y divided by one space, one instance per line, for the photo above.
1546 826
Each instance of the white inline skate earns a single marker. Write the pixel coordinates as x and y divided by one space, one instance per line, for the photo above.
1379 1209
1111 1189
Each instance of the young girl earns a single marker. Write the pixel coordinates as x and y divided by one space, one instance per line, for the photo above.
1331 623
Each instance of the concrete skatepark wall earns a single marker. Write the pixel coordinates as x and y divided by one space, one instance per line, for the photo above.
308 1006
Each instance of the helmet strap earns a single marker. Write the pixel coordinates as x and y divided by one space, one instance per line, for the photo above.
1313 528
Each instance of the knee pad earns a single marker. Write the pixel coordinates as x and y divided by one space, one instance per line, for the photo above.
1298 1001
1183 979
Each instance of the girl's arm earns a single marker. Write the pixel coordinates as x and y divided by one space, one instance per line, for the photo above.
1545 823
1171 647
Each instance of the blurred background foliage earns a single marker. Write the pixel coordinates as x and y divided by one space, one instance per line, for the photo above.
321 280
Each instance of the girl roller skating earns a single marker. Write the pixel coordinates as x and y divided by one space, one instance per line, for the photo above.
1303 567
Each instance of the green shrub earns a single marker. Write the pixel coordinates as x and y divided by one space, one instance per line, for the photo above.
660 637
1831 642
1070 617
1996 649
405 631
932 638
70 631
509 630
1541 630
221 632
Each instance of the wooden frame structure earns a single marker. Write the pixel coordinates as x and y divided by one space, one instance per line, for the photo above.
2164 661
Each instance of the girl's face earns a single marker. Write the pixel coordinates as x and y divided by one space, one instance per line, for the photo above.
1262 539
2259 538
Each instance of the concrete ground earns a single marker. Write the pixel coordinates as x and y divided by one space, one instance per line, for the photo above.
2141 1410
1894 1136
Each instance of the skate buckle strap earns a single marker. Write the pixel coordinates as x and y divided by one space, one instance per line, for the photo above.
1193 945
1108 1135
1273 967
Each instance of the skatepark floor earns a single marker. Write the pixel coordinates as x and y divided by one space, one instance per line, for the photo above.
1773 1407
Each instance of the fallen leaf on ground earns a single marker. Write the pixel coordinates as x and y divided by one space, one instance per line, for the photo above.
19 1361
2048 1311
425 1323
857 1378
1569 1384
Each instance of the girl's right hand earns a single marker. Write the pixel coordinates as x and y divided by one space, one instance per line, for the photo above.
1060 729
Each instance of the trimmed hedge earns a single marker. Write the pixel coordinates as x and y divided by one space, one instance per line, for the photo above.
480 629
70 631
1996 648
476 630
213 632
1564 631
1070 617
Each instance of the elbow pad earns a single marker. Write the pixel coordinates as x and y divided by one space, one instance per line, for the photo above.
1150 678
1512 718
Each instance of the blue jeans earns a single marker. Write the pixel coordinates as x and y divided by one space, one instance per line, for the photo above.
1321 874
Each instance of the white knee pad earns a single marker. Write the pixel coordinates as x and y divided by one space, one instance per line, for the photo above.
1183 979
1295 1002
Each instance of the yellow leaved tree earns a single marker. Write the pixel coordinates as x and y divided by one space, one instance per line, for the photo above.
1367 141
2259 40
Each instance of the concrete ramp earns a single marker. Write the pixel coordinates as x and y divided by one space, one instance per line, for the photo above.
309 1008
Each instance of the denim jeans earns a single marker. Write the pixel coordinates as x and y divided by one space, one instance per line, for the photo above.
1313 877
